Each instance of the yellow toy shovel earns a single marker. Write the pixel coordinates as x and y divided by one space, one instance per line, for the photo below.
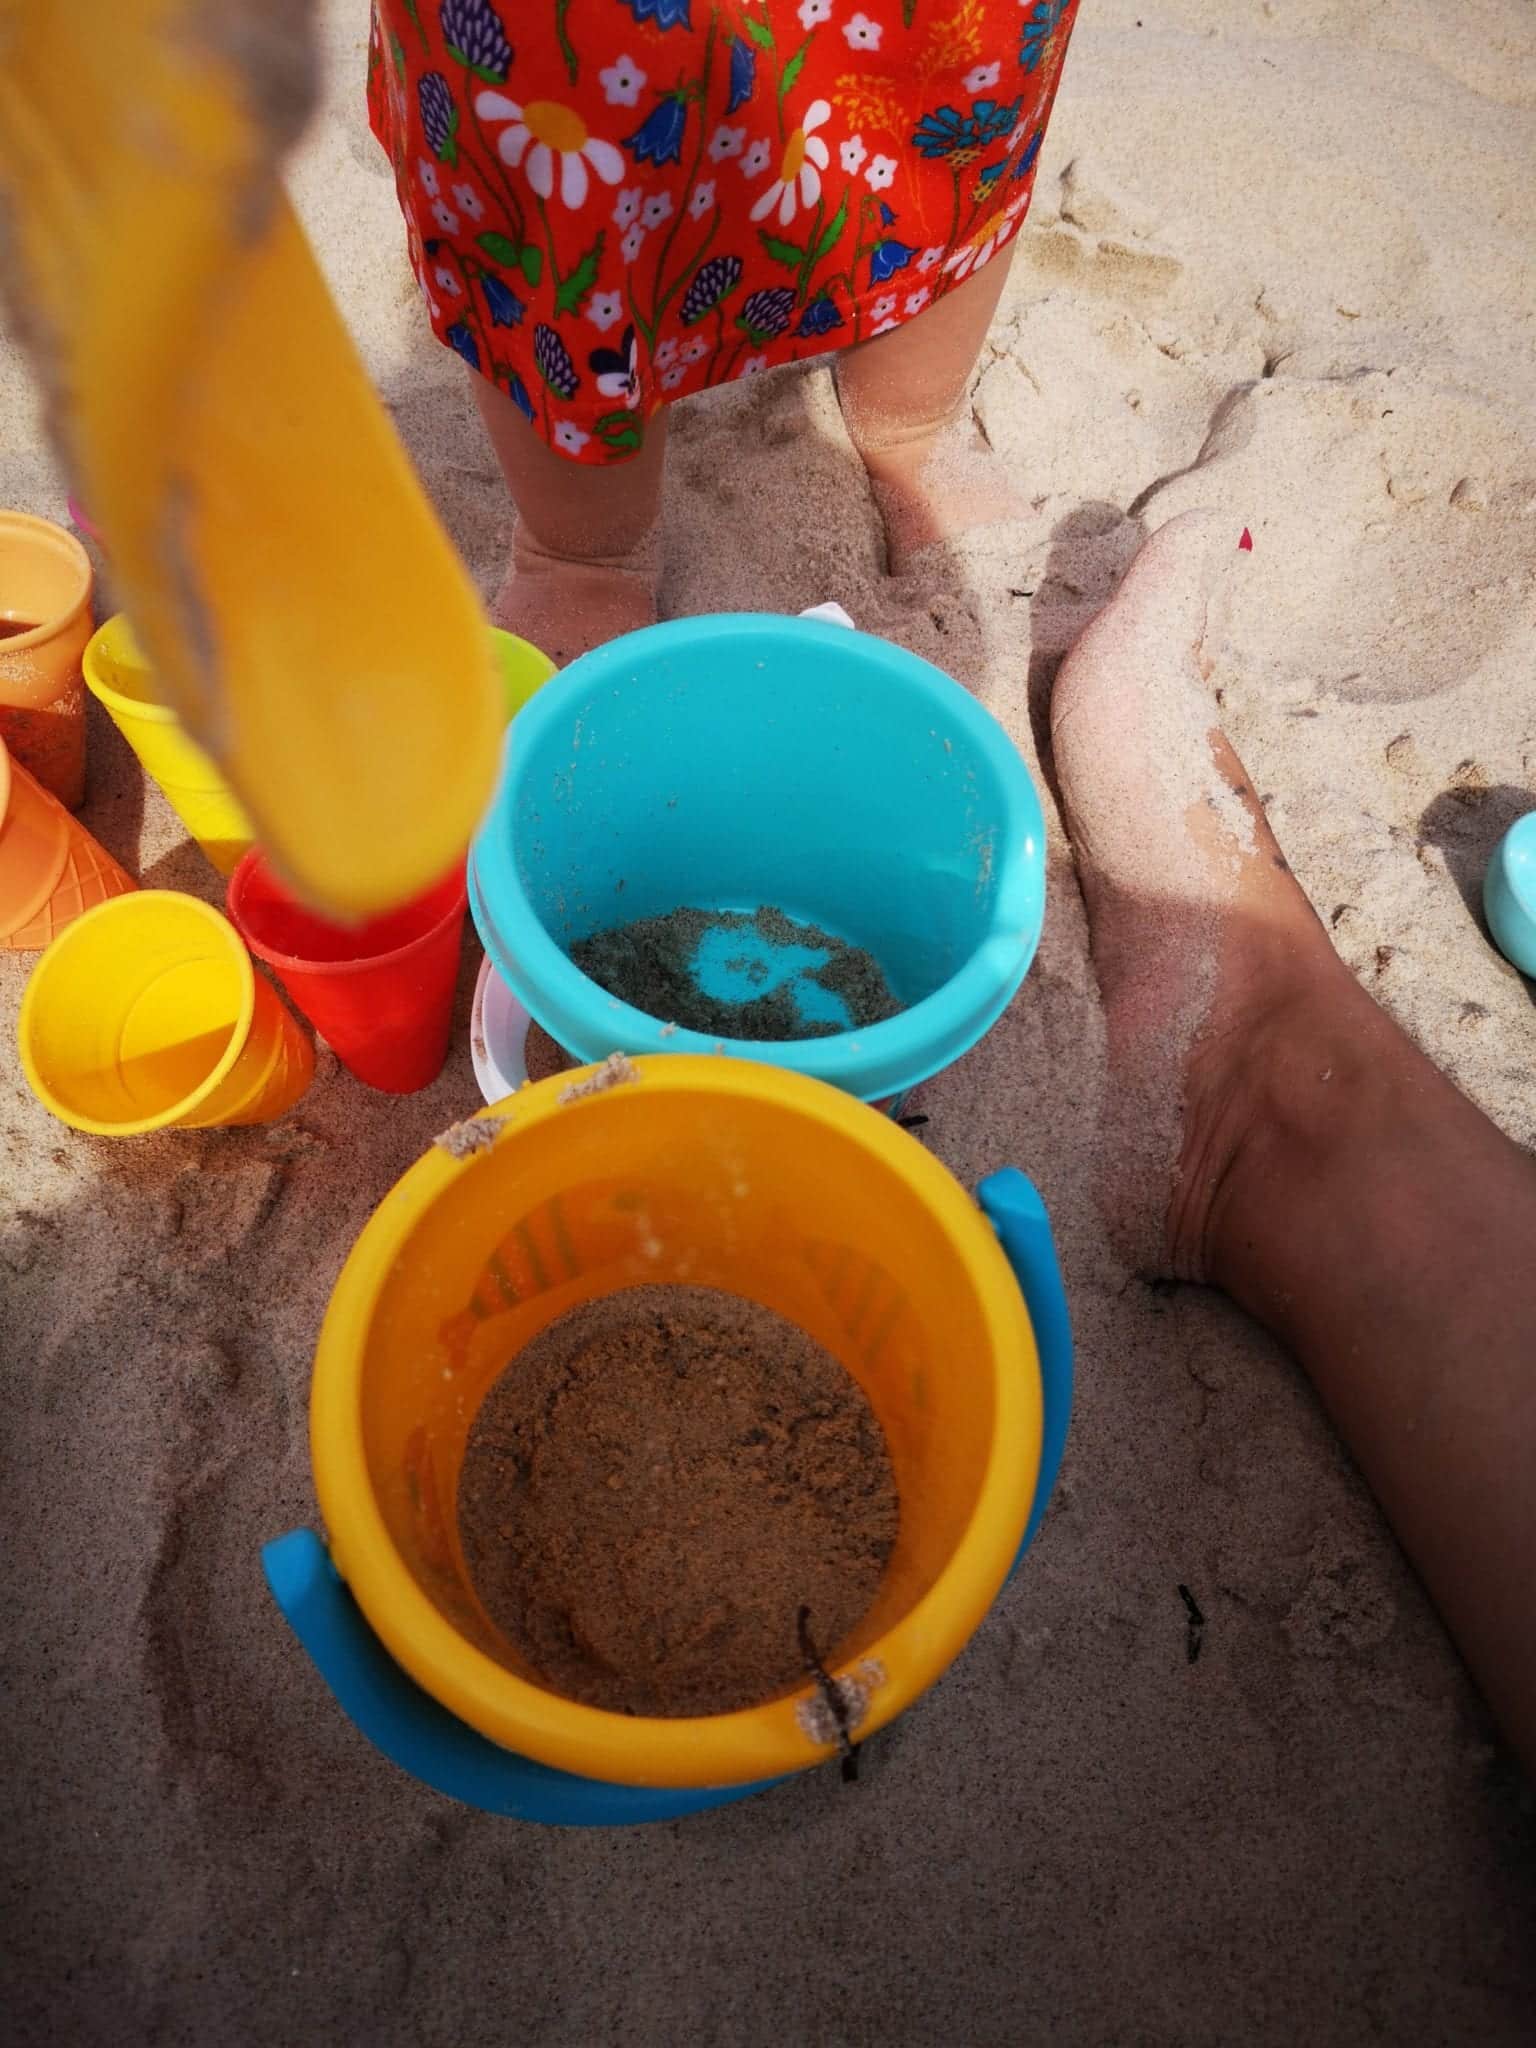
306 615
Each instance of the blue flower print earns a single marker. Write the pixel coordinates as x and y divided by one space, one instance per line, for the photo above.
887 258
665 13
518 392
505 307
743 73
819 317
887 216
962 137
989 174
1039 27
1026 162
474 35
458 336
659 138
439 116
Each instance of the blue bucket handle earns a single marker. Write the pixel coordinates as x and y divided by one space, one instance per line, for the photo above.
420 1736
1013 1205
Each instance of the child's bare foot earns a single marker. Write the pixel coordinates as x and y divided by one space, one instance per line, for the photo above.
1222 994
933 484
566 607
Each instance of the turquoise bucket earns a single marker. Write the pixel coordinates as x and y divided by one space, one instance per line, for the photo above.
744 760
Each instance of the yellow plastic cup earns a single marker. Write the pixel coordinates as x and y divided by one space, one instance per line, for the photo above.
520 667
146 1014
718 1173
119 677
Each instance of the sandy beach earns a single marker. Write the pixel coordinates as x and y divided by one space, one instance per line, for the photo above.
1279 263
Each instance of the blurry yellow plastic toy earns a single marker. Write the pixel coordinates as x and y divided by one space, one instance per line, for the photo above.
304 611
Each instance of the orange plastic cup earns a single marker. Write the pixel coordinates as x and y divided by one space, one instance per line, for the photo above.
51 869
147 1013
45 621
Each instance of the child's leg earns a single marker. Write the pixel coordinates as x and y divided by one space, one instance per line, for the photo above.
585 561
904 400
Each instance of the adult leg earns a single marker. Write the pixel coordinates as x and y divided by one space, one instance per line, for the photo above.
905 399
1322 1171
585 557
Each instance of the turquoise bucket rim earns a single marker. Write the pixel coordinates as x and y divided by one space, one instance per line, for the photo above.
876 1062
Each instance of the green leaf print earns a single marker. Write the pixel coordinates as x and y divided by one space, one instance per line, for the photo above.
500 248
760 33
834 229
449 152
619 430
573 288
793 68
397 51
790 254
530 261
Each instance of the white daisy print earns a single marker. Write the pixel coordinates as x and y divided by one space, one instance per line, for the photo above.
852 154
632 242
628 207
427 172
882 309
447 283
914 301
666 355
814 12
980 77
469 202
570 437
670 379
726 142
862 33
880 173
445 217
929 257
752 365
800 167
757 159
605 310
656 209
884 328
703 199
976 254
545 134
622 81
696 350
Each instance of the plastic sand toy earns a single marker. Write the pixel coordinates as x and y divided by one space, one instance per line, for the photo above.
306 616
146 1014
719 1173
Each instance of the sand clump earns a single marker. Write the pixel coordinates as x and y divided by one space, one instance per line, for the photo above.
656 1488
649 964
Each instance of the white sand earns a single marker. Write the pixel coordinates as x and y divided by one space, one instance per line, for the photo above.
1280 263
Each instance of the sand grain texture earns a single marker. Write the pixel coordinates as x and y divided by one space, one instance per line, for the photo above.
1279 263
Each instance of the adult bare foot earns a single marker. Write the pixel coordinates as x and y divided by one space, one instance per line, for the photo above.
1271 1130
565 607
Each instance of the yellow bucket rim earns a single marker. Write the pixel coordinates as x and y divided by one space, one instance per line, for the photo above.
763 1741
73 935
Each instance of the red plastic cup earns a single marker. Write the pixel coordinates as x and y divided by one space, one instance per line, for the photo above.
380 994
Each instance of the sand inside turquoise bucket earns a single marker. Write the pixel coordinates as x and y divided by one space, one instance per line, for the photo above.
758 975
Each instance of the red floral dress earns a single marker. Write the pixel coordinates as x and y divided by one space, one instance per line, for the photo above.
612 203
